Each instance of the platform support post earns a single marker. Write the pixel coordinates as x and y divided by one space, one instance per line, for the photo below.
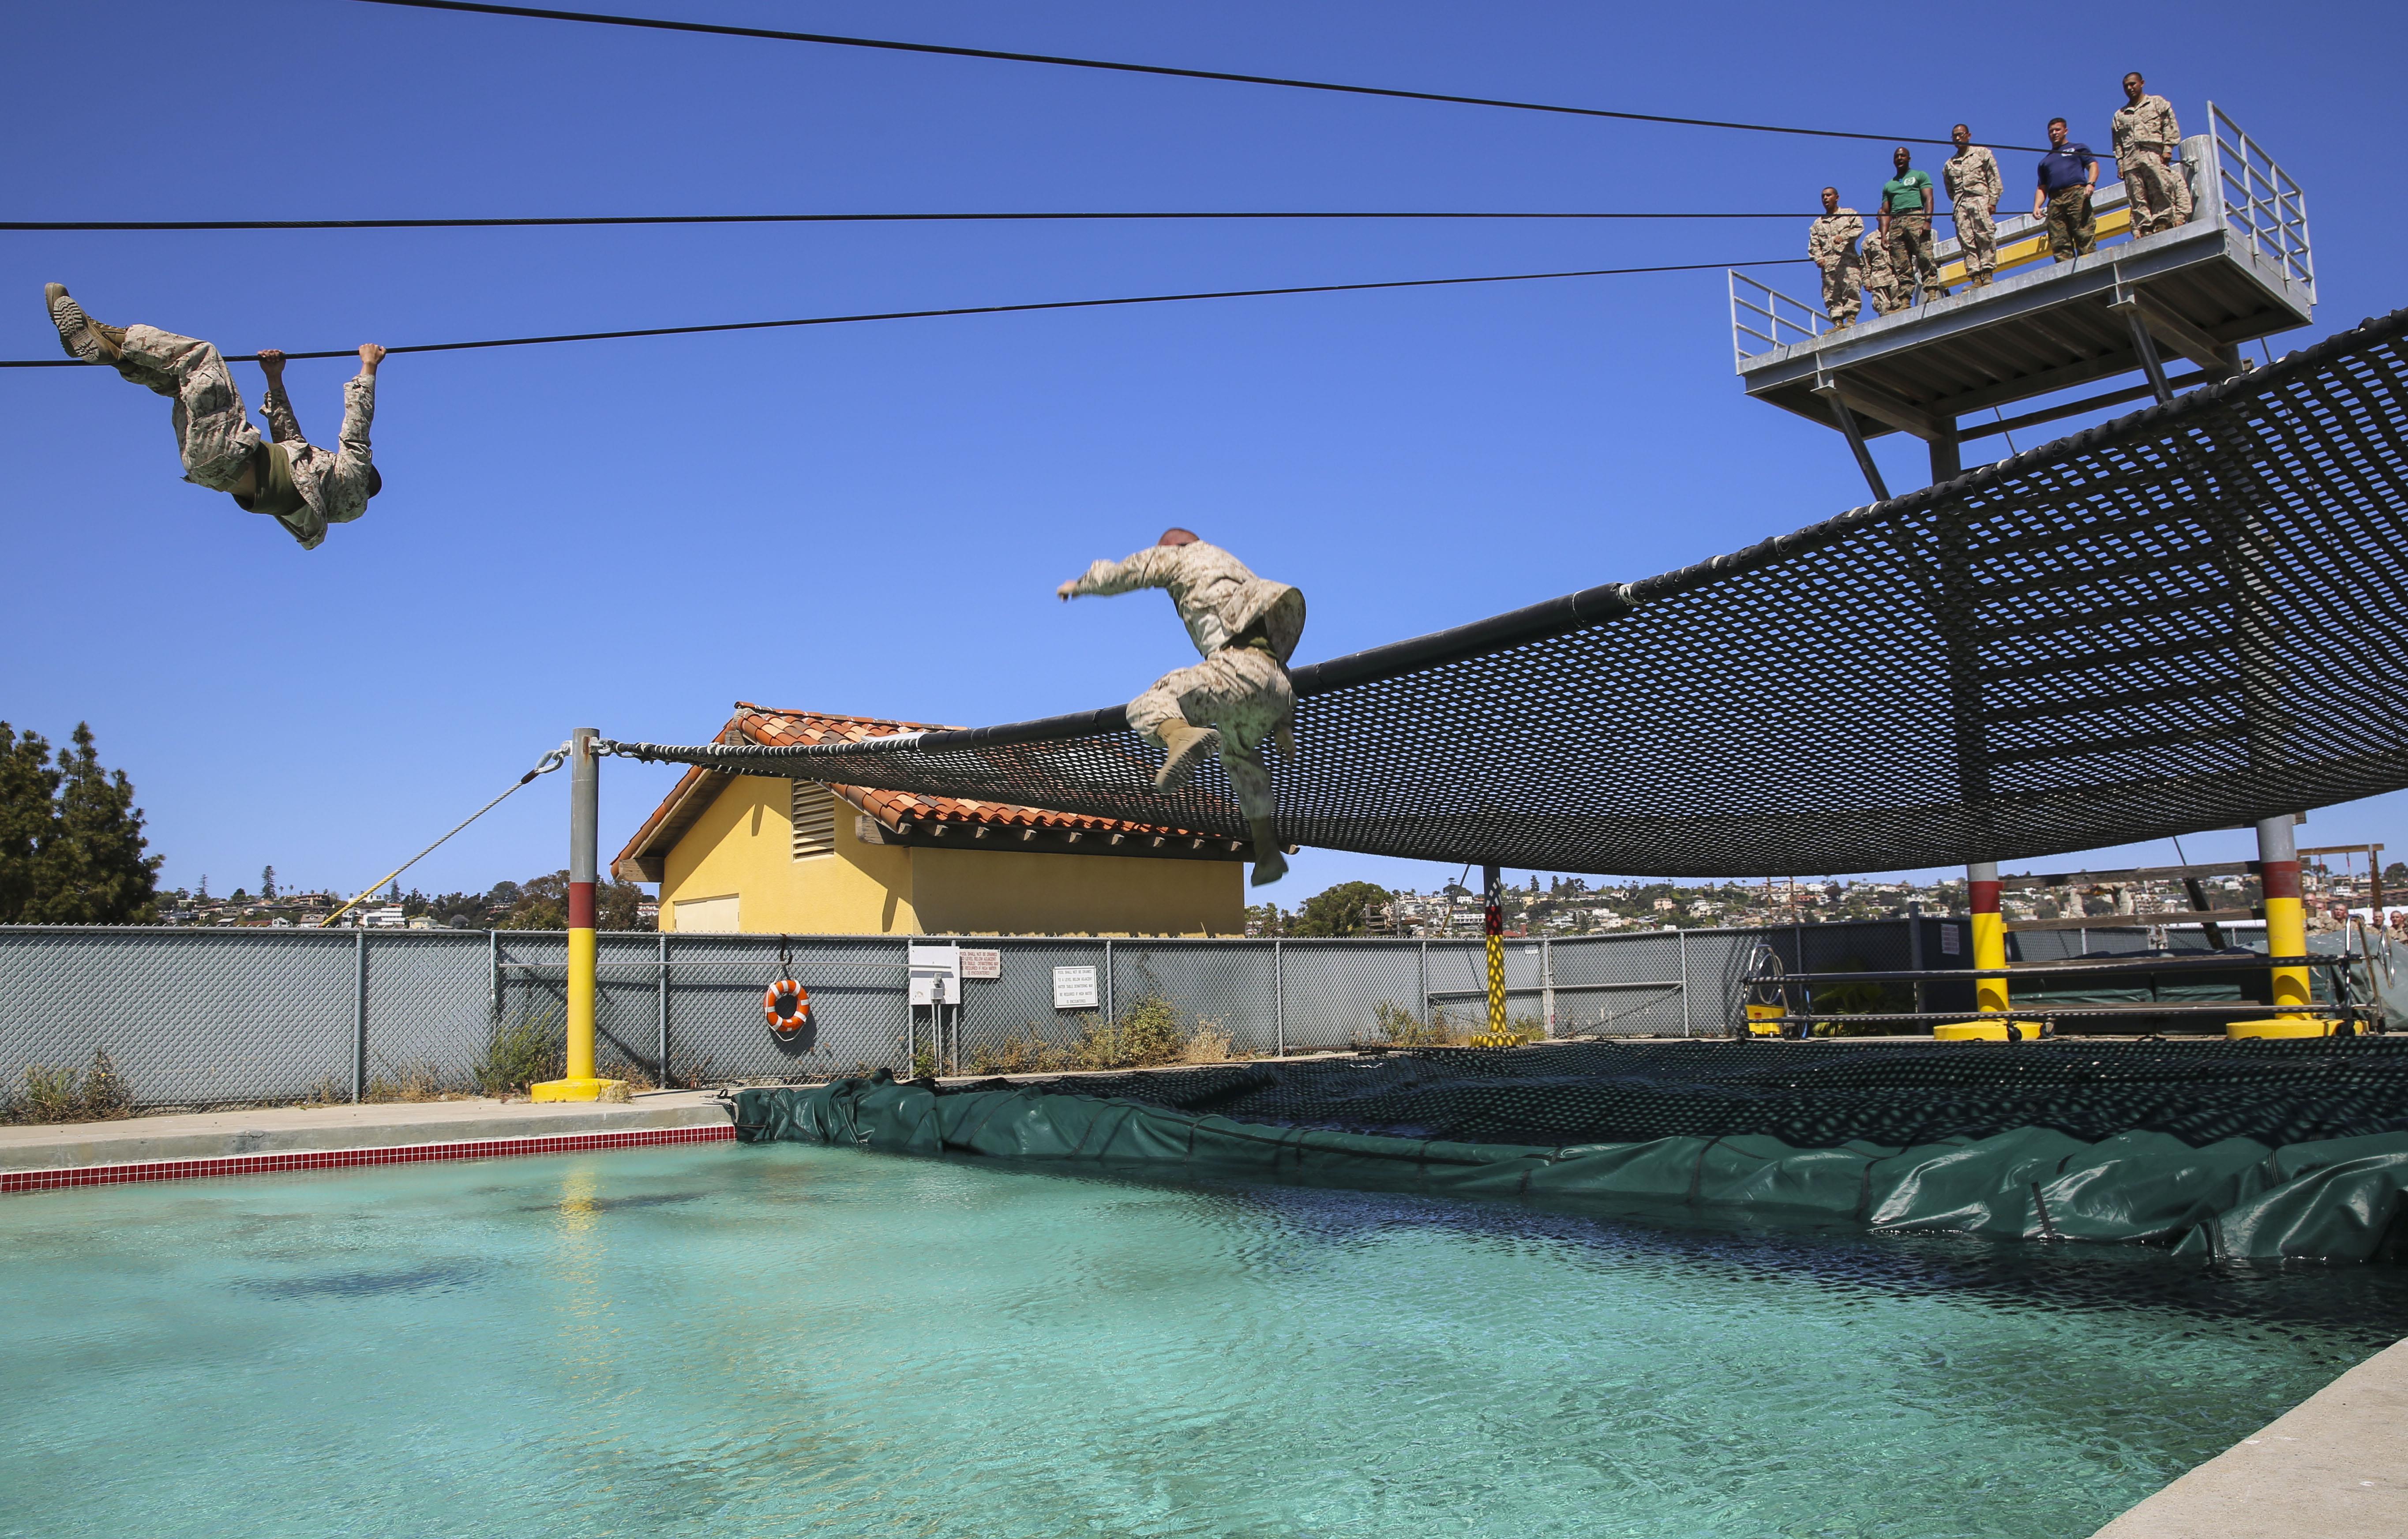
1494 927
2146 346
584 821
2286 935
1947 460
1847 421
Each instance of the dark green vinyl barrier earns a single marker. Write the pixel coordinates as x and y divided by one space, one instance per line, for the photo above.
2331 1199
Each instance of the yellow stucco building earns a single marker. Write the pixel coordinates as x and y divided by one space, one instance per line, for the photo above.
794 856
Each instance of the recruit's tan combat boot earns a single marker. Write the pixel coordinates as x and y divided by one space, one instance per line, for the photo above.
1270 861
79 334
1183 747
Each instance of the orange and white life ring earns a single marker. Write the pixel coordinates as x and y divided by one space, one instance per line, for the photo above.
788 1006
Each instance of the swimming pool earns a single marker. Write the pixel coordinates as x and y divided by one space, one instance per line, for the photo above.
791 1340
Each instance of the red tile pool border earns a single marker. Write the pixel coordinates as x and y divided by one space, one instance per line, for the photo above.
333 1159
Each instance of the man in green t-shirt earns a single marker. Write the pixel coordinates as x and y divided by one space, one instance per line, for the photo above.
1906 209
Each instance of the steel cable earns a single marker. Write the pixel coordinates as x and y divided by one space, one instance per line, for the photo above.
967 310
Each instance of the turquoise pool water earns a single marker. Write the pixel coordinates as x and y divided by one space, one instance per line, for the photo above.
783 1340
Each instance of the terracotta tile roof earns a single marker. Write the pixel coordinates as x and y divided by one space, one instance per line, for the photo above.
698 787
780 729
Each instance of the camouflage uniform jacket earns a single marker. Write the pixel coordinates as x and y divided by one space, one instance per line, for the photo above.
1218 598
1973 177
2146 125
335 483
1833 237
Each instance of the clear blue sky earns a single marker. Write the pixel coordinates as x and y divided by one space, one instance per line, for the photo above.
871 519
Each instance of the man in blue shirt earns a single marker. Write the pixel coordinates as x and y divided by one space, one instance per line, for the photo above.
1906 209
2067 174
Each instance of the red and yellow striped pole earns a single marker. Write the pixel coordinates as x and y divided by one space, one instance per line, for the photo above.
1493 926
2286 935
584 857
1990 927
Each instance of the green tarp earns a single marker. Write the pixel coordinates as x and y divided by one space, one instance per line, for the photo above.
2332 1199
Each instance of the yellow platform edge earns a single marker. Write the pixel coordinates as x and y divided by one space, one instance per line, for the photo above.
1987 1031
2285 1027
579 1089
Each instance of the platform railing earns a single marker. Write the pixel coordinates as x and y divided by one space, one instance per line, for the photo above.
2231 173
2261 203
1782 319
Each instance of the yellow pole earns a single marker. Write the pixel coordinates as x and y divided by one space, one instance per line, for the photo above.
1989 936
584 817
2286 935
1990 927
1494 926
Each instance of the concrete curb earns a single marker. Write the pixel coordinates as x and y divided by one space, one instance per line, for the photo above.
2335 1467
279 1131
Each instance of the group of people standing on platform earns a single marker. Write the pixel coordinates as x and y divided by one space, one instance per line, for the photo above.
1898 265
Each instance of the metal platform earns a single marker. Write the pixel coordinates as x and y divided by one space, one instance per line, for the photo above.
2240 270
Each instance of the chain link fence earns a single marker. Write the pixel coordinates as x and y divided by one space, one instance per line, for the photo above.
199 1018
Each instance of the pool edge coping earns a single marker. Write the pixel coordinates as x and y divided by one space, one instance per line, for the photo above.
54 1178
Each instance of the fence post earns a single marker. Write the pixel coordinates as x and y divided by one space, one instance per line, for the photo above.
1112 1009
1279 997
1423 1016
661 1005
360 1014
1685 980
493 978
1547 983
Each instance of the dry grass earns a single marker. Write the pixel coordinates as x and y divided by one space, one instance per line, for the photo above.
54 1094
1147 1035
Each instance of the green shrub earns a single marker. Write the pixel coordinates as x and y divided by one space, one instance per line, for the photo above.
524 1054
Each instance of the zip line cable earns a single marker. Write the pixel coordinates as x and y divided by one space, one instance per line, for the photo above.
543 766
837 40
799 218
970 310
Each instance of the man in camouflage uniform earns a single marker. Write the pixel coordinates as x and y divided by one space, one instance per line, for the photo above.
1974 188
1234 700
1880 283
1832 243
300 485
1907 208
2147 140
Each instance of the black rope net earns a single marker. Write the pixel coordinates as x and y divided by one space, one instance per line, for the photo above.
2187 618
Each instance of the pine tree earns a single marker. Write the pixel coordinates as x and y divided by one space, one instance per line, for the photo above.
85 864
27 785
267 883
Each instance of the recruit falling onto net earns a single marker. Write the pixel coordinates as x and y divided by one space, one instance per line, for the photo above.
1238 697
300 484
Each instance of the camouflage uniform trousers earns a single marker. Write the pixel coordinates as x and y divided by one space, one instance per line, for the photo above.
2160 193
2072 231
214 430
1878 283
1244 692
1977 238
1912 258
1841 282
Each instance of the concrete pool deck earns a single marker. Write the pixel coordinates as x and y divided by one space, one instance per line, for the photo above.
2335 1467
295 1137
